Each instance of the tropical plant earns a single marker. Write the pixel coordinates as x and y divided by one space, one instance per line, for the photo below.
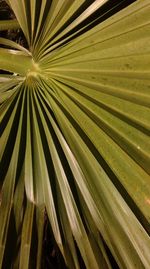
74 124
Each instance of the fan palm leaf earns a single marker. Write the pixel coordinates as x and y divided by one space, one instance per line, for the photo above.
74 119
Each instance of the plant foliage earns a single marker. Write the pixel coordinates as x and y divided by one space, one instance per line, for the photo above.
75 124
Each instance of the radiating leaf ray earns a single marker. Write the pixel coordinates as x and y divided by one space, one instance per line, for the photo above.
91 9
6 133
78 175
43 192
14 45
74 127
116 29
64 127
40 221
124 134
21 15
124 110
120 87
7 191
64 188
9 24
103 143
26 236
29 153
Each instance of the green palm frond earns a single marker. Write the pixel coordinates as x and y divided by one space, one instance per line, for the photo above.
74 125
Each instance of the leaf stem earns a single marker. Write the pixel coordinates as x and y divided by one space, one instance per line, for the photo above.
17 62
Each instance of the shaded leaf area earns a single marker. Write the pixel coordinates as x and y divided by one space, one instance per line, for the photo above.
75 138
39 231
8 25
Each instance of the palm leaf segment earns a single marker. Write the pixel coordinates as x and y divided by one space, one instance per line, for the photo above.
75 132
